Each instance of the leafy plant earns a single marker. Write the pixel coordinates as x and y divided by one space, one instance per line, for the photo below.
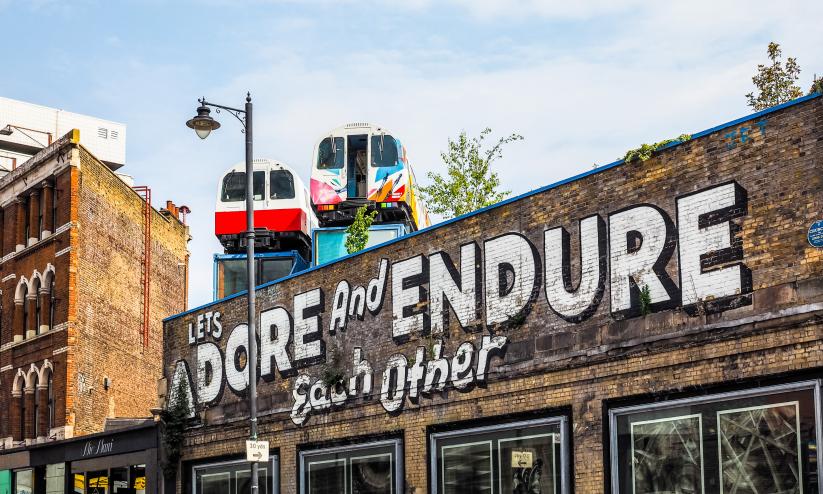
175 419
817 85
468 183
357 234
775 82
645 301
645 151
332 373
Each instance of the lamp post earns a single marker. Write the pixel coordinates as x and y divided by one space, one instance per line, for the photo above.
203 124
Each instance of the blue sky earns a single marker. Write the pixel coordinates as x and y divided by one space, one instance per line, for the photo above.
581 81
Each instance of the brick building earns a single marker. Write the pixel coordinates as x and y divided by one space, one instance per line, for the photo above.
650 326
88 271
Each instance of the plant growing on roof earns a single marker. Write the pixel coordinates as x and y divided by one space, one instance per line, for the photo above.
469 183
645 151
357 234
775 82
645 301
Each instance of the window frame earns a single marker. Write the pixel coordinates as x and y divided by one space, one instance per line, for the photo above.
333 142
273 464
560 420
399 467
614 413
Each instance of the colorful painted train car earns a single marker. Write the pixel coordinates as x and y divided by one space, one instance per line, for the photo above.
283 217
363 164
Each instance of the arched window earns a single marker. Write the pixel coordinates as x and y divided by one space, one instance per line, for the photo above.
36 414
50 404
37 309
25 292
23 415
51 304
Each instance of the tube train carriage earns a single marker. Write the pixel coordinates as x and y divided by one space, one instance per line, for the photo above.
359 164
283 218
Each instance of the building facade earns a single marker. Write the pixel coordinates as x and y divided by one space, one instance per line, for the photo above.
649 326
88 270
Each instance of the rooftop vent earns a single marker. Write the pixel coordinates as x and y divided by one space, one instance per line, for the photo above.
357 125
102 133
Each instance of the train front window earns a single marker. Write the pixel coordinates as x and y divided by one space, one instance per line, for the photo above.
234 187
281 184
383 150
330 158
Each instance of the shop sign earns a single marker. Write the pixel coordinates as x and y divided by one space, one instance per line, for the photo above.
815 234
522 459
257 451
493 284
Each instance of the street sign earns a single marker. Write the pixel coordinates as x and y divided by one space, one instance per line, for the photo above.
815 234
257 451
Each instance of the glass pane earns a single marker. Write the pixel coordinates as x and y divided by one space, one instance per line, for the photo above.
23 482
667 455
120 480
214 483
527 464
281 185
234 187
137 478
328 158
467 469
259 185
383 151
55 478
243 481
371 474
79 483
272 269
327 477
234 276
760 449
97 482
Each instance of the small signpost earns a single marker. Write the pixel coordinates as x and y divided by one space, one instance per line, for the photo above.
815 235
257 451
522 459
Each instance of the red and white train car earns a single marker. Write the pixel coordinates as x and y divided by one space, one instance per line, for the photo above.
283 216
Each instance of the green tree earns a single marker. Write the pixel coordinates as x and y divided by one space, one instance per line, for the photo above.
775 83
357 234
817 85
175 419
469 183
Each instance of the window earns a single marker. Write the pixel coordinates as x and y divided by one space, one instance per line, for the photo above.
524 457
234 478
97 482
50 403
760 440
368 468
233 272
25 292
328 157
24 481
281 185
36 412
383 151
52 304
37 309
22 406
234 186
40 209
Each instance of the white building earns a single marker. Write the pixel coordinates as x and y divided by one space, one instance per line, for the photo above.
26 128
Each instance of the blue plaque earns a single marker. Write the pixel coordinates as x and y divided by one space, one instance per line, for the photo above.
816 234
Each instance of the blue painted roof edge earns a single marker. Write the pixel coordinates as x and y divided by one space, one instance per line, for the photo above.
532 192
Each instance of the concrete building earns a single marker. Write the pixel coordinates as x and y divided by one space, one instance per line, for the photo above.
26 128
88 269
650 326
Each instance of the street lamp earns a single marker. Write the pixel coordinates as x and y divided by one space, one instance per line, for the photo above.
203 124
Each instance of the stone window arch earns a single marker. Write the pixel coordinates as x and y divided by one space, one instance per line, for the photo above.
47 299
21 311
45 400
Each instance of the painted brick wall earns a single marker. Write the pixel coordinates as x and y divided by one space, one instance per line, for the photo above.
767 325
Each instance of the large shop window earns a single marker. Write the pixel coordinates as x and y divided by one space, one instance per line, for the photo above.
369 468
518 458
234 477
757 441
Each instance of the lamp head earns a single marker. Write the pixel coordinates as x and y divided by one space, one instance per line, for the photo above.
202 123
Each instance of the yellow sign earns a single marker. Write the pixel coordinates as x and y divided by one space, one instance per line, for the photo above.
140 483
99 482
522 459
79 482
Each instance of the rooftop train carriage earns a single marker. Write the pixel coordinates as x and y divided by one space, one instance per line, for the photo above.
359 164
283 218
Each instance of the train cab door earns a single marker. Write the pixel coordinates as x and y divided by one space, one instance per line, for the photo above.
357 166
